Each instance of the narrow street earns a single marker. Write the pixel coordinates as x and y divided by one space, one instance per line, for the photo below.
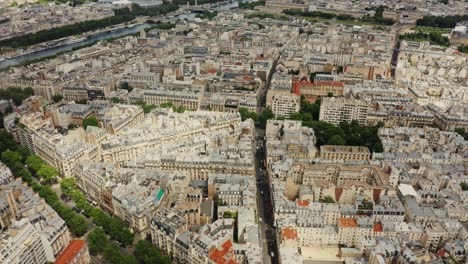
264 202
264 197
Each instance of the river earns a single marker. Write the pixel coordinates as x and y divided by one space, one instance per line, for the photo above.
113 34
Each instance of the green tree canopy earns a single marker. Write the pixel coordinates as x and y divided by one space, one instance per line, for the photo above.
463 48
336 140
78 225
327 199
264 116
464 186
16 94
57 98
47 173
97 241
67 186
441 21
34 162
9 157
7 141
147 253
246 114
125 86
461 131
90 121
24 152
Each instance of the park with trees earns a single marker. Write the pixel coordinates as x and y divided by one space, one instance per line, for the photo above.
463 49
64 31
441 21
16 94
376 19
90 121
351 134
433 37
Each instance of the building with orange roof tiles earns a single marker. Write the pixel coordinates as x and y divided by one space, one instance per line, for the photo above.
76 253
223 254
288 233
316 90
348 223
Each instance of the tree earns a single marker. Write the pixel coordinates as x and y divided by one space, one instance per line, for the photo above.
25 175
128 259
24 152
8 109
57 98
126 237
67 186
336 140
47 173
329 94
16 94
97 241
64 31
147 253
461 131
148 108
90 121
125 86
115 100
34 162
9 157
464 186
7 141
327 199
246 114
77 225
264 116
112 253
461 48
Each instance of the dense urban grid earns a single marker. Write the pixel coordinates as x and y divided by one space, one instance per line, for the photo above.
224 132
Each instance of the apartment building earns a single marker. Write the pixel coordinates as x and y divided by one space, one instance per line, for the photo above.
75 92
231 103
318 89
63 152
28 126
188 99
336 110
94 179
18 201
136 203
5 174
23 244
119 117
329 152
434 234
405 114
166 226
283 103
388 208
70 113
92 52
142 80
351 229
289 139
451 118
459 34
